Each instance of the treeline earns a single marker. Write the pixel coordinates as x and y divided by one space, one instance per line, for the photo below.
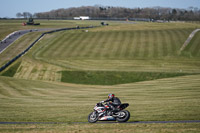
156 13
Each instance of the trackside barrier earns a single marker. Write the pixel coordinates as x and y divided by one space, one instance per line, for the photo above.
32 44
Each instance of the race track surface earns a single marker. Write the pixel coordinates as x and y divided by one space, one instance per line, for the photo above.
6 42
107 122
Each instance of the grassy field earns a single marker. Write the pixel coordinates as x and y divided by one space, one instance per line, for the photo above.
163 99
36 101
115 44
142 47
119 54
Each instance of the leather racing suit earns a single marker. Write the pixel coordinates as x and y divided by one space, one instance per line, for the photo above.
113 103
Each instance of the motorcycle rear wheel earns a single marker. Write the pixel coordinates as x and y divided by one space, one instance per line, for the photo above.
93 117
124 118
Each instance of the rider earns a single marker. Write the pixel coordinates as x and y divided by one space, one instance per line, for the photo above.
113 102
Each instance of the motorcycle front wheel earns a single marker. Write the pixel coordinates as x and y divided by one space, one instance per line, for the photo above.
93 117
123 116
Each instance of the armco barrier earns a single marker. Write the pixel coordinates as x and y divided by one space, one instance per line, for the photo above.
32 44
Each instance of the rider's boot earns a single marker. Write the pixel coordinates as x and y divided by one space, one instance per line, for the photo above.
113 112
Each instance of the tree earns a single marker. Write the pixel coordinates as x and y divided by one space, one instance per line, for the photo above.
27 15
98 11
19 15
174 14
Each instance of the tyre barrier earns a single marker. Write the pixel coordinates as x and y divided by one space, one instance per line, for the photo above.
32 44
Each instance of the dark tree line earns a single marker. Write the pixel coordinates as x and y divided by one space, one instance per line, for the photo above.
24 15
156 13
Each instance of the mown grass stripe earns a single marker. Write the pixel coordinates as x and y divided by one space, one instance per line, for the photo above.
85 44
123 44
56 45
24 69
105 46
130 44
151 43
160 44
127 38
90 45
102 46
155 44
179 39
42 44
46 48
99 46
196 45
61 46
142 44
186 33
172 42
120 44
193 45
137 43
4 91
80 48
91 52
27 74
96 45
71 43
19 88
14 90
169 42
111 42
114 46
146 45
164 42
76 44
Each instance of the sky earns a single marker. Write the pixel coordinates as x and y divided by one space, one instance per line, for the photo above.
9 8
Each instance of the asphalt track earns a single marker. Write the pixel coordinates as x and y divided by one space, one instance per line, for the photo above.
189 39
108 122
6 42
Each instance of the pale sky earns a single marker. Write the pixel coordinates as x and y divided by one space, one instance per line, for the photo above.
9 8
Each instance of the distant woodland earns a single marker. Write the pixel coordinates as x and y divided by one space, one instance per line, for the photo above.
107 12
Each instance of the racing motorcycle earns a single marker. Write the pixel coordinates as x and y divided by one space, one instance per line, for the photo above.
102 112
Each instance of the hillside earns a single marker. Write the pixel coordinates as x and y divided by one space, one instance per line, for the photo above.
148 48
36 101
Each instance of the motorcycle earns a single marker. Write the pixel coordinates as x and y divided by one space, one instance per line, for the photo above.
102 112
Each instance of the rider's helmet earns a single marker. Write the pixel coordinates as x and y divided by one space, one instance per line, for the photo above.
111 95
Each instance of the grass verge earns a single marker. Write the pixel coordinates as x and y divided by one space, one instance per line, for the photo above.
112 77
99 128
10 72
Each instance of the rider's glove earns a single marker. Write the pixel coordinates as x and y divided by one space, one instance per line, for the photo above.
102 102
